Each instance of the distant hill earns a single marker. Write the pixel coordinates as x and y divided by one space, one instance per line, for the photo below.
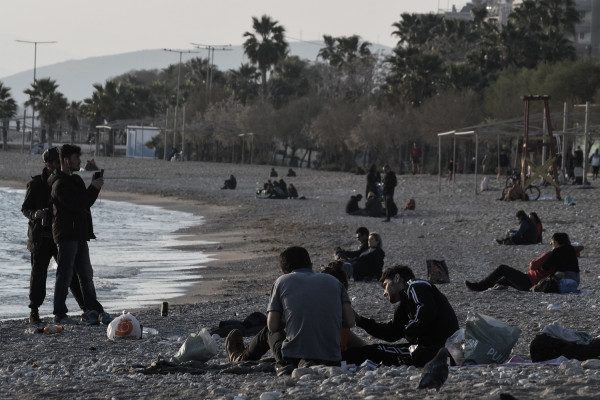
76 77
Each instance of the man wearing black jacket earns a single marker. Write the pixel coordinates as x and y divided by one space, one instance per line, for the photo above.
72 229
37 207
389 184
424 318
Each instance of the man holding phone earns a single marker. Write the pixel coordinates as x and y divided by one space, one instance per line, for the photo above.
72 228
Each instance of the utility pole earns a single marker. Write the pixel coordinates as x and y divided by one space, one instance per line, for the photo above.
34 69
211 59
177 102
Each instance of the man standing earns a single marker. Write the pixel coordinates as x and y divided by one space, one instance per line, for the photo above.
37 207
72 229
305 314
415 159
389 183
424 318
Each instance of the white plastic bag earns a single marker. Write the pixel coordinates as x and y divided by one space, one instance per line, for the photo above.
198 346
124 326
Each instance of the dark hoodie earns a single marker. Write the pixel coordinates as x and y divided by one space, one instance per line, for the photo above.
37 197
71 202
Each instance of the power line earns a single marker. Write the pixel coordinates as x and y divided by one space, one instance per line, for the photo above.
211 58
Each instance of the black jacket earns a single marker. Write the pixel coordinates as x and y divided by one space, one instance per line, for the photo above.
72 201
389 183
424 316
37 197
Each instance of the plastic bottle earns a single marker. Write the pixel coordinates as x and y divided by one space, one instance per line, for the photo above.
53 329
149 331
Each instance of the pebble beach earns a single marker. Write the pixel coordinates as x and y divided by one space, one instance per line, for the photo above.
245 235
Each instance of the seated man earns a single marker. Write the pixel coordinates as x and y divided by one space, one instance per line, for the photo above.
526 234
311 307
424 318
230 183
352 205
362 235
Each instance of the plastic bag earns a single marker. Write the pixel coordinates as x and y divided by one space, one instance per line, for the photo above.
489 340
485 340
124 326
198 346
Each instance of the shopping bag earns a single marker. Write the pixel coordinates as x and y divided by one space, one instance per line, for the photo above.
488 340
124 326
198 346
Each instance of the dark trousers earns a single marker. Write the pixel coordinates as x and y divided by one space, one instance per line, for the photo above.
391 354
45 250
389 200
506 275
263 342
74 263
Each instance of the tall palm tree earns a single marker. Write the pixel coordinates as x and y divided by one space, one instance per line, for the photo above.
8 109
265 46
73 112
243 82
50 104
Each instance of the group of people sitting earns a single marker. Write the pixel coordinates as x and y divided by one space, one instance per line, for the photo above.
366 262
373 206
309 316
529 232
279 190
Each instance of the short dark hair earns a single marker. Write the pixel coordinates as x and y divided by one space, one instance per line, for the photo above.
362 231
405 273
50 155
336 268
561 238
521 215
294 257
67 150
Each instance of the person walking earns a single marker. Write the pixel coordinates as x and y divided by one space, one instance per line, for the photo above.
415 159
37 208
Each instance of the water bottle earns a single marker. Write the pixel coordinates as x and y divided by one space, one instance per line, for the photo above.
149 331
50 329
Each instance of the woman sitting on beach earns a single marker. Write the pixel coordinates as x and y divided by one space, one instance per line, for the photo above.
369 264
562 258
373 207
538 224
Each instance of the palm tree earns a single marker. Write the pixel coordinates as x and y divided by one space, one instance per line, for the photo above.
243 82
340 51
8 109
50 104
73 111
266 46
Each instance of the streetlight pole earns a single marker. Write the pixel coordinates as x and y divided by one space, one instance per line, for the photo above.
211 59
177 101
34 69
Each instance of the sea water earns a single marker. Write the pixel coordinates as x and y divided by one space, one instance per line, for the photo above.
138 259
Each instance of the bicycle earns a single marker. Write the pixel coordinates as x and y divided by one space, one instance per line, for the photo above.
532 191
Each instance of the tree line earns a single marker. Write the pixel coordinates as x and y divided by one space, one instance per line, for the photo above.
351 107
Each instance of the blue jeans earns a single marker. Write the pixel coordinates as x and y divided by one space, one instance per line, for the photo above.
74 257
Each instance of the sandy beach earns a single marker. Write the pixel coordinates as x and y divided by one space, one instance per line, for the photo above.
450 222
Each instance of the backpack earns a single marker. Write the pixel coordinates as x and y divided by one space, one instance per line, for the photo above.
437 271
410 204
547 285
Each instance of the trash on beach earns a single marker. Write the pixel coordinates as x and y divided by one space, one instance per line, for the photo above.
124 326
198 346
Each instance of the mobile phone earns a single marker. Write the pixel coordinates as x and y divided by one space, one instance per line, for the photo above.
98 174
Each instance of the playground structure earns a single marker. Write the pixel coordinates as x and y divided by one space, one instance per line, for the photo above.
532 133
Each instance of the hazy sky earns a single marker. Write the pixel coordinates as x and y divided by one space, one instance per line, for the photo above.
89 28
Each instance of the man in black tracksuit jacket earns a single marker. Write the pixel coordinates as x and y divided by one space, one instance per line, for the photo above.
424 318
